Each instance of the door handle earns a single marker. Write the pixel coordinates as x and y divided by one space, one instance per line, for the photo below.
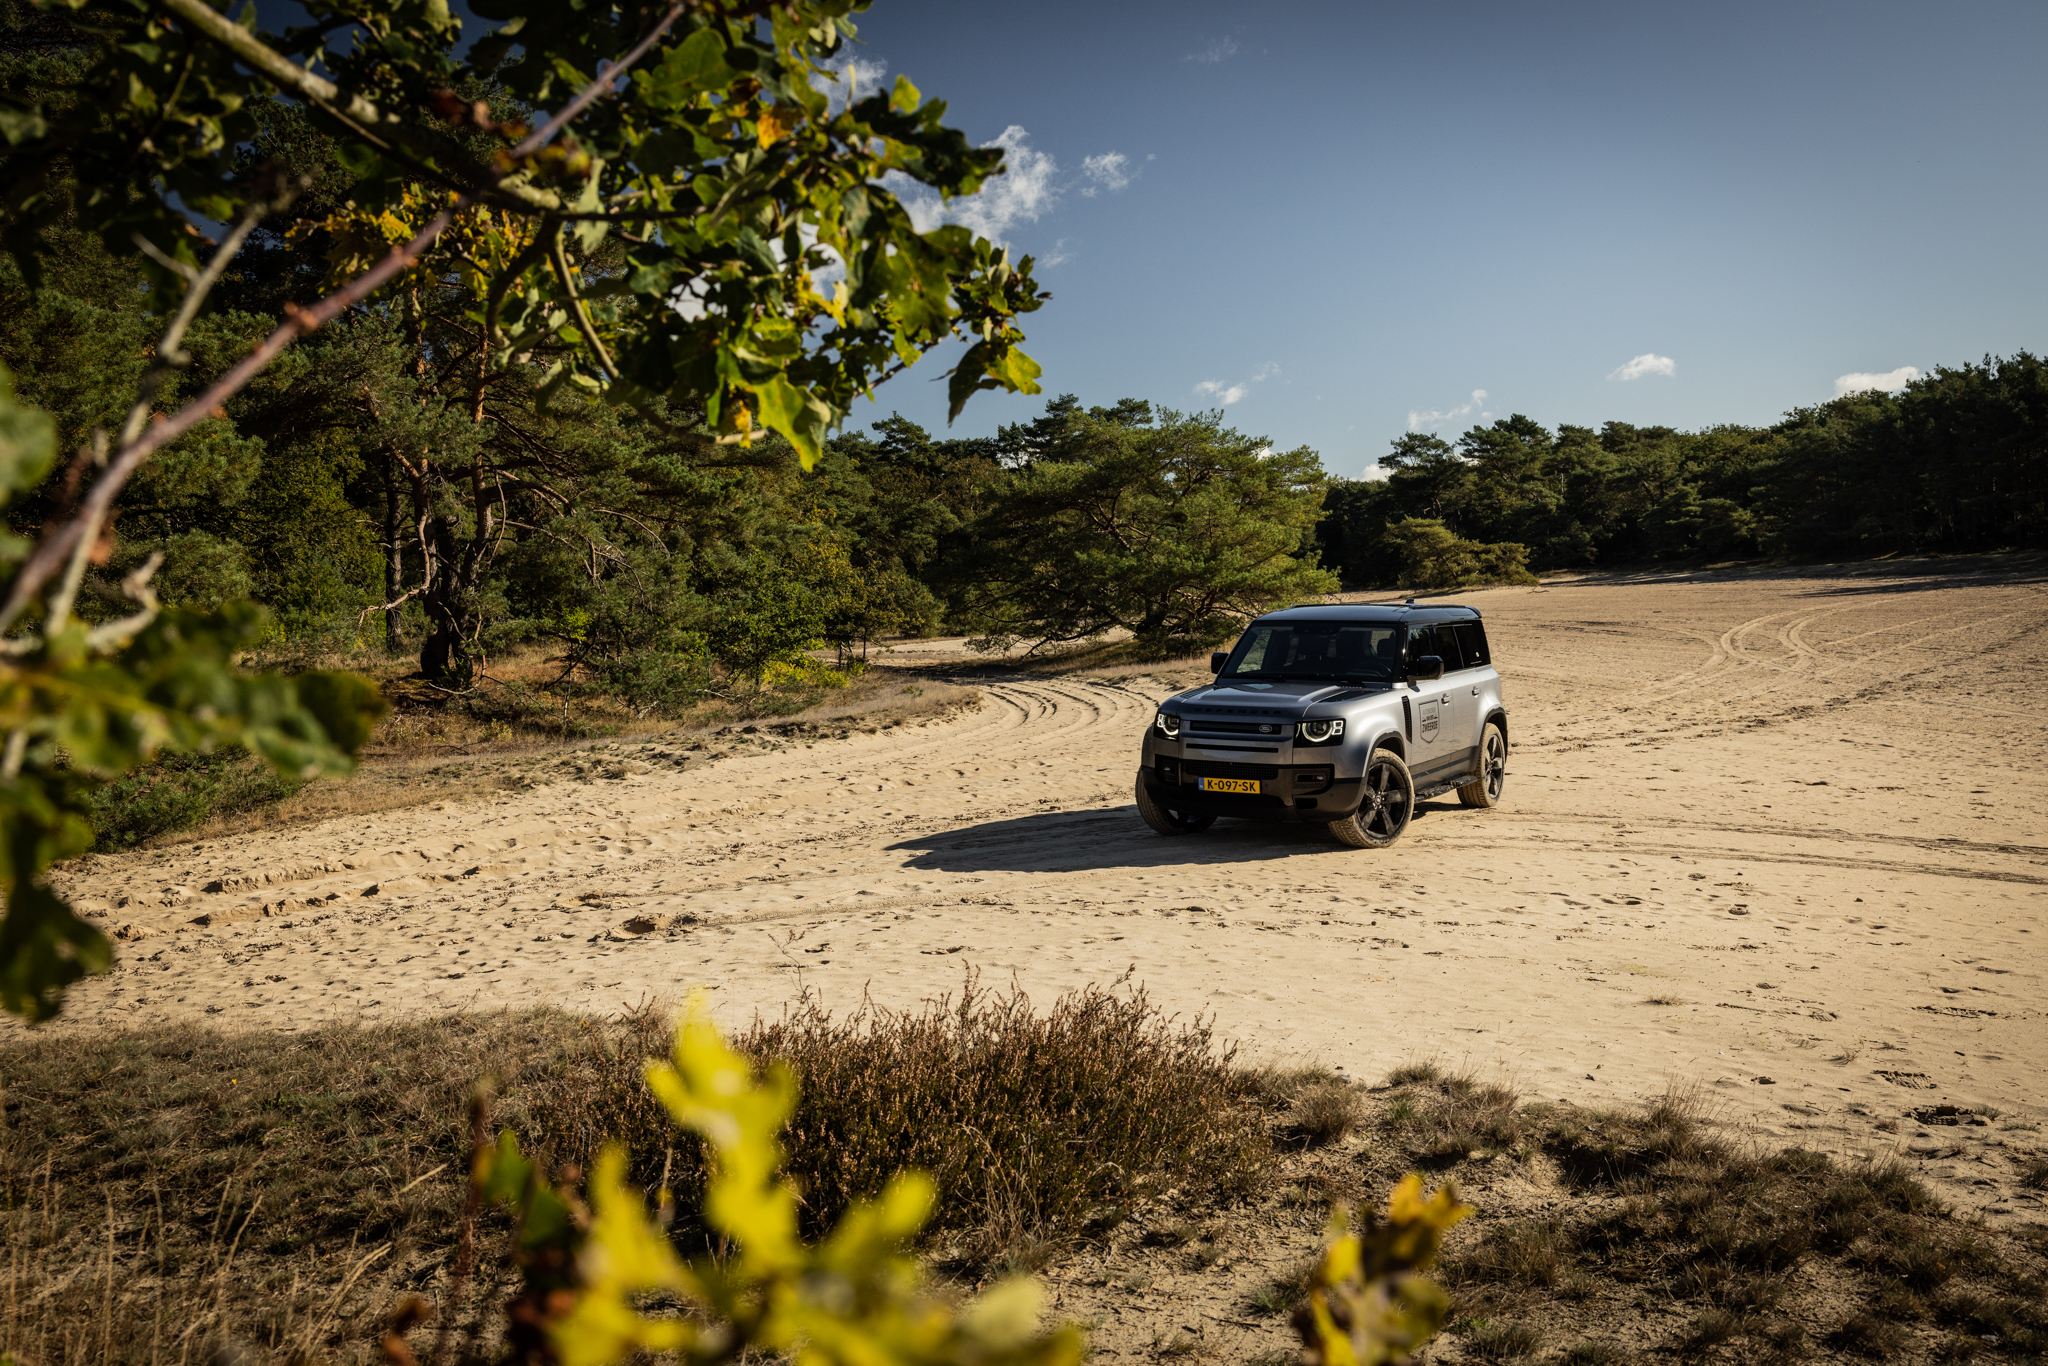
1475 692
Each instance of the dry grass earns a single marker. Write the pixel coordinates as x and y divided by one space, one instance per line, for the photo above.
1325 1113
1755 1248
163 1196
1034 1126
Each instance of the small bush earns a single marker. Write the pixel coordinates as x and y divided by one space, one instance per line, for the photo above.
1710 1328
1526 1253
182 791
1283 1292
1499 1341
1278 1086
1448 1117
1325 1113
1030 1123
1867 1335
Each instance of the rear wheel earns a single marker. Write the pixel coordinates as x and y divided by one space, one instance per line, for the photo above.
1484 791
1384 810
1165 819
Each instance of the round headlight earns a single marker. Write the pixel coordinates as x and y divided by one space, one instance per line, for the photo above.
1318 731
1168 724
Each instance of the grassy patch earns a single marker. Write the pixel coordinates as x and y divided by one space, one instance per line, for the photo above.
1753 1248
287 1191
1324 1113
181 792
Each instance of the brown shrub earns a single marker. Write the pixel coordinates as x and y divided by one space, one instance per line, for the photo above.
1324 1113
285 1191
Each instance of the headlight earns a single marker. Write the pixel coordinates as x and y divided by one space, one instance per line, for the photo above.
1318 732
1167 724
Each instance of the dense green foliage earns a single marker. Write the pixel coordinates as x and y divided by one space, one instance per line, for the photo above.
1957 461
1177 529
568 335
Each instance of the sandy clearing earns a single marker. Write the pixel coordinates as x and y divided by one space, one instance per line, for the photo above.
1784 837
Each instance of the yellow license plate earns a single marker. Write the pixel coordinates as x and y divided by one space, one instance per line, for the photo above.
1250 785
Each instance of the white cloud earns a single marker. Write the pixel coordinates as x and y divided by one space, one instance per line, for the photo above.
1418 420
1025 191
850 77
1058 256
1889 381
1649 363
1110 171
1218 50
1226 394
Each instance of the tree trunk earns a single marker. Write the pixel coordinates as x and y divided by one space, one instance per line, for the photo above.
444 655
451 573
394 556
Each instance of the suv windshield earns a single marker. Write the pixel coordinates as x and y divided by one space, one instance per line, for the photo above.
1347 651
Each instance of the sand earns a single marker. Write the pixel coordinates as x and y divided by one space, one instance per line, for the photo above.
1779 836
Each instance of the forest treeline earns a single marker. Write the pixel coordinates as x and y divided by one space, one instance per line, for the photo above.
661 572
1956 461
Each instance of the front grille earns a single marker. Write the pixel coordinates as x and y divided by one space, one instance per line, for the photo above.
1269 728
1211 768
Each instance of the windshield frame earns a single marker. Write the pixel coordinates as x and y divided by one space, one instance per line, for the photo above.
1230 670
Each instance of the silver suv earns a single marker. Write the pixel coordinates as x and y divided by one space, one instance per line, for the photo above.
1342 716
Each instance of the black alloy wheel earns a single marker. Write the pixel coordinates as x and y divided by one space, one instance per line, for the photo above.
1390 792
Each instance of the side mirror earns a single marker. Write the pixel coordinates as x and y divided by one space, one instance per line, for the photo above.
1426 669
1218 660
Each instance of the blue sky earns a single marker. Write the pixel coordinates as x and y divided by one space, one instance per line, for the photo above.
1345 219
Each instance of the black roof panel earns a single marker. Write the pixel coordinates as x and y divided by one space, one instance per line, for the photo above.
1419 614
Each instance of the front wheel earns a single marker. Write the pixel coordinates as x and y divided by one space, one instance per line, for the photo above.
1384 810
1165 819
1484 791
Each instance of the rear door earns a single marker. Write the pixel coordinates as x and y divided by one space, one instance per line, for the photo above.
1436 746
1481 681
1460 730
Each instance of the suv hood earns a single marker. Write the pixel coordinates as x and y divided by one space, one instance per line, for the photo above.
1274 696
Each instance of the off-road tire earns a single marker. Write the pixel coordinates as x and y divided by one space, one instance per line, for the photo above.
1166 820
1484 791
1385 806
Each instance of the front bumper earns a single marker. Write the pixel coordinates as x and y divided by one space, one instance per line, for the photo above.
1287 792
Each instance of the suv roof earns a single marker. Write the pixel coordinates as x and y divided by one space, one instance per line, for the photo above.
1375 611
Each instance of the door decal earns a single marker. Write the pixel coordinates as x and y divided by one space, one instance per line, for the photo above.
1429 714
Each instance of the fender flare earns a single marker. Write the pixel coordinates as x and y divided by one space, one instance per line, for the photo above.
1499 717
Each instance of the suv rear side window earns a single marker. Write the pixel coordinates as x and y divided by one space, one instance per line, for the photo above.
1440 641
1472 636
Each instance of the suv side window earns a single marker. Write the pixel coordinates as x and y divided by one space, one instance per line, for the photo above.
1447 647
1438 641
1472 636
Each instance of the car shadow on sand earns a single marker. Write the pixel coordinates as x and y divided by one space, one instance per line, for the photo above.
1114 837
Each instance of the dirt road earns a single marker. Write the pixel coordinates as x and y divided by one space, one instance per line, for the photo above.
1784 837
